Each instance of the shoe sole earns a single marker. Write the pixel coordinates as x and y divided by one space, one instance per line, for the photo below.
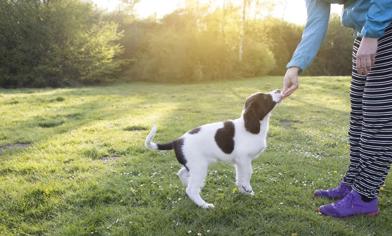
372 214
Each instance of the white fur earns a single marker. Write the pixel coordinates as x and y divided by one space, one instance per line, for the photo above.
201 149
149 143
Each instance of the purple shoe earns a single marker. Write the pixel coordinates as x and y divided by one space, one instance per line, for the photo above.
334 193
350 205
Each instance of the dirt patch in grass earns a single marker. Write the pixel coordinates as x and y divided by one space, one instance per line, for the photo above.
135 128
109 159
288 123
13 102
57 99
50 123
74 116
14 146
102 154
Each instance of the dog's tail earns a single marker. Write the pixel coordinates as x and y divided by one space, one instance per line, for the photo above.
156 146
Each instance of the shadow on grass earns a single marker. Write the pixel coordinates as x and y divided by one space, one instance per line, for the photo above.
51 125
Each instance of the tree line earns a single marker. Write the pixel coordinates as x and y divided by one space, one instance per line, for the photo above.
71 42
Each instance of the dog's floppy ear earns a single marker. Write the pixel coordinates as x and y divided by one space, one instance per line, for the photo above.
256 108
252 122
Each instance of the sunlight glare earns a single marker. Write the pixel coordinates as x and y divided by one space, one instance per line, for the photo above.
147 8
290 10
109 5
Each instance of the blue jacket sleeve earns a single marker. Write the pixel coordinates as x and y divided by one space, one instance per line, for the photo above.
378 17
316 27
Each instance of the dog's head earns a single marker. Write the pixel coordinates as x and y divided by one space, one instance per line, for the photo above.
258 106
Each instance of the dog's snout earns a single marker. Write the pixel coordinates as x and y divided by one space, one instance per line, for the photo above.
278 91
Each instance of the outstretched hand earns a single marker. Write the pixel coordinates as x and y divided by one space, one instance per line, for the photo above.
290 82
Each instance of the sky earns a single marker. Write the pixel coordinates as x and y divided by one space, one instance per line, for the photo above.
294 11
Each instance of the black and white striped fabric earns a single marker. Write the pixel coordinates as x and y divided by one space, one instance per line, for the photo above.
370 130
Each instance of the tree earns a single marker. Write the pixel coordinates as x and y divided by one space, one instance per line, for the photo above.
245 5
56 43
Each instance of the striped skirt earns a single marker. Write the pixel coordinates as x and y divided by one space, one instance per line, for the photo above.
370 130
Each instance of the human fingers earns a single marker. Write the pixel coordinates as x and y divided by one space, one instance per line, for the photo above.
286 84
364 65
373 60
290 91
359 66
368 64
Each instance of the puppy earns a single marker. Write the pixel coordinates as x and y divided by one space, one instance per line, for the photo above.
238 141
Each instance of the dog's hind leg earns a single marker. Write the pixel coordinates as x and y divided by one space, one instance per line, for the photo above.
196 183
183 174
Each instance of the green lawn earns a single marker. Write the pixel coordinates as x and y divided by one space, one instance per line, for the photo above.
73 162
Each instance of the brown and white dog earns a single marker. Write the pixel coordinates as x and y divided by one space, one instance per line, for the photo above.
238 141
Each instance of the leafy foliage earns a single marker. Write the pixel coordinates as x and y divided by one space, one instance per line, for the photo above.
185 47
69 42
281 37
55 43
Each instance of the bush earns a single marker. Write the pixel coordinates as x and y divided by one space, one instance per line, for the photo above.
281 37
258 59
177 51
69 42
55 43
167 58
173 56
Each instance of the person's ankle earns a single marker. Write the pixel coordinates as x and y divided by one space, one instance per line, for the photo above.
366 198
347 184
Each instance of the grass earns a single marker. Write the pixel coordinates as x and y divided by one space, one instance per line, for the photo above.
72 162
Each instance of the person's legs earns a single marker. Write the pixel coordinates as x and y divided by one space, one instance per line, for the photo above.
356 119
376 138
356 94
375 143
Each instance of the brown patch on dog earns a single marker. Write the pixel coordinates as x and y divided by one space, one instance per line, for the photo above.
224 137
256 108
177 145
195 130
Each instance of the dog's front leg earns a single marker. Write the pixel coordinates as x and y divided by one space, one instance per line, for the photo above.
243 176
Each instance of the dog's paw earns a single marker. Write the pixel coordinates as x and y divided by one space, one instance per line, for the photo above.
246 190
207 206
